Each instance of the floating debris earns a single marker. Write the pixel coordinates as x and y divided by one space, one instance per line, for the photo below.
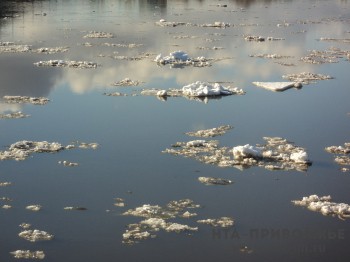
127 82
35 235
212 132
324 205
341 153
25 99
218 222
22 149
214 181
306 78
276 154
14 115
34 208
71 64
180 58
67 163
278 86
27 254
95 34
3 184
75 208
155 219
119 202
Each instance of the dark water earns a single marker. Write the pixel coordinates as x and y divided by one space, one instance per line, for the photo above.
133 130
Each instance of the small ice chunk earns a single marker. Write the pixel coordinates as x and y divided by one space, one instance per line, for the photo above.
278 86
27 254
35 235
218 222
246 151
34 208
300 157
214 181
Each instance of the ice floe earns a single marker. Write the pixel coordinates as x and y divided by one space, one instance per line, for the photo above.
22 149
180 58
67 163
25 225
96 34
51 50
3 184
34 208
278 86
25 99
212 132
276 154
11 47
27 254
218 222
155 219
271 56
214 181
6 207
306 77
14 115
341 155
75 208
196 90
324 205
119 202
331 55
216 25
127 82
35 235
163 22
71 64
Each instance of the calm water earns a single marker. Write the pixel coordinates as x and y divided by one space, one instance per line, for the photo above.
133 130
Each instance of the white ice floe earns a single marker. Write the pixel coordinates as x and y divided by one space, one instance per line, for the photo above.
246 151
181 58
25 225
278 86
163 22
3 184
276 154
214 181
6 207
75 208
27 254
71 64
119 202
11 47
306 78
35 235
324 205
13 115
155 219
51 50
199 88
68 163
25 99
22 149
217 25
34 208
341 155
331 55
218 222
127 82
96 34
212 132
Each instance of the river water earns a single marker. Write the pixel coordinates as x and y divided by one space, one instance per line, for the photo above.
133 130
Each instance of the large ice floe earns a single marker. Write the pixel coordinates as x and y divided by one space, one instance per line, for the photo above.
276 154
180 59
27 254
25 99
35 235
341 155
278 86
324 205
22 149
197 90
71 64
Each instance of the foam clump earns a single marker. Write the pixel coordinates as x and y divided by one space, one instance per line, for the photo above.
214 181
324 205
27 254
35 235
25 99
71 64
218 222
